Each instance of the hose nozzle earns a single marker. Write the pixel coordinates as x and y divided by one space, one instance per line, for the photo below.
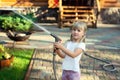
56 37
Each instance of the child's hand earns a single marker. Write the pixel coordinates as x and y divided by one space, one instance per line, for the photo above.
58 45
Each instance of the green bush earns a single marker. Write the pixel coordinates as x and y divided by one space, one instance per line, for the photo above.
15 23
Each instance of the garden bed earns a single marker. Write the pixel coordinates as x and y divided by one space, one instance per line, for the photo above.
18 68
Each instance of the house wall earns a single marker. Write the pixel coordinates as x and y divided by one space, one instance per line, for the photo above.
29 3
23 3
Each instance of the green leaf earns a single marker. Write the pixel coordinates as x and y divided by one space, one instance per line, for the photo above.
15 23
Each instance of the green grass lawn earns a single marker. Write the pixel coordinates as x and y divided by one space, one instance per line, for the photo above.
19 67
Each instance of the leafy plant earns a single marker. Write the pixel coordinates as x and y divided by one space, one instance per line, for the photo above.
15 23
20 65
3 53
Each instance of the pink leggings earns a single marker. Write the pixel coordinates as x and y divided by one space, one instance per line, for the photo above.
70 75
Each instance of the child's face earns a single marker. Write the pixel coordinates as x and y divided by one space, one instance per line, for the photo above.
77 34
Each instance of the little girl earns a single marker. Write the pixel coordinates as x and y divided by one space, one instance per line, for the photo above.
72 51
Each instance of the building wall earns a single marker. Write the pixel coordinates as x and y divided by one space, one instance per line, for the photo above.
23 3
29 3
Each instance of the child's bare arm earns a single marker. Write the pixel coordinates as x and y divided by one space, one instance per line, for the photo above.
60 53
73 54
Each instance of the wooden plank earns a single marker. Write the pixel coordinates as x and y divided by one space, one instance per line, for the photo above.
82 15
109 3
21 3
76 20
24 0
68 10
77 7
8 0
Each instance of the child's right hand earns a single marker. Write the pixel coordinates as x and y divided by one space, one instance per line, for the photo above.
58 45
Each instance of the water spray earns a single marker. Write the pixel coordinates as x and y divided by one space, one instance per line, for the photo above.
48 32
36 25
39 27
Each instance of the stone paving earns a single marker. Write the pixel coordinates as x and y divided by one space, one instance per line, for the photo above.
105 40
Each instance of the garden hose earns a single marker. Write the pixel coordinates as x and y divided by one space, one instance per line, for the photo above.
105 66
48 32
54 66
54 55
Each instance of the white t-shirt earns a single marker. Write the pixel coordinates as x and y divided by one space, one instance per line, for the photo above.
70 63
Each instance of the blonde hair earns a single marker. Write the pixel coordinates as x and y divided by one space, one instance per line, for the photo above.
80 25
